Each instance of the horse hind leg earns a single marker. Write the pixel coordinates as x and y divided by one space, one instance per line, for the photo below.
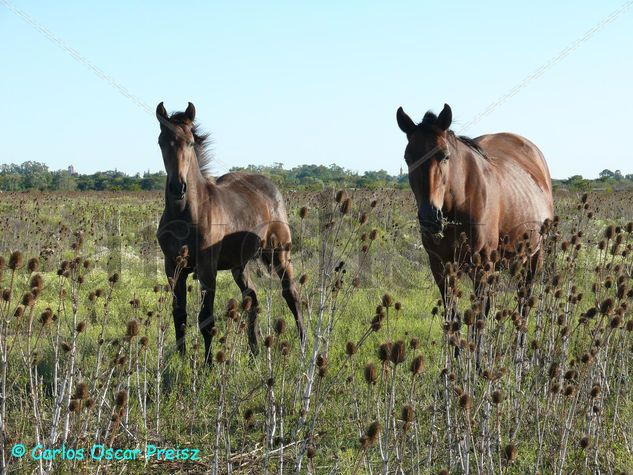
533 264
280 260
243 281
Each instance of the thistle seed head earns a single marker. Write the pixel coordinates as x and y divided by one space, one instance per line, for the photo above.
46 318
373 432
311 452
132 328
384 351
406 414
465 402
280 326
81 391
121 399
28 299
510 452
497 397
398 352
33 264
417 365
346 206
370 373
247 303
74 406
16 261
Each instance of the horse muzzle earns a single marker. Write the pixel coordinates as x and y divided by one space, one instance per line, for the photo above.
434 229
431 220
177 189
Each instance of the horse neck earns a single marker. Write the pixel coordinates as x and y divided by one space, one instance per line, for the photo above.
463 171
188 209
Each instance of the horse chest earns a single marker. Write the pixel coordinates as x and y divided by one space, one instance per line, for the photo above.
172 235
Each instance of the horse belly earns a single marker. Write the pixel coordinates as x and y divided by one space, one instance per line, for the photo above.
237 249
526 208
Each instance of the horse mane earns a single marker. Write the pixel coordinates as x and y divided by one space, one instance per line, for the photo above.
470 143
429 120
202 142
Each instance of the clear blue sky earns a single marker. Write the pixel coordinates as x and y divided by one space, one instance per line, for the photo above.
319 82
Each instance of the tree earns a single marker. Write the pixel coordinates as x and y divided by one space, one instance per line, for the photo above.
63 181
36 175
577 182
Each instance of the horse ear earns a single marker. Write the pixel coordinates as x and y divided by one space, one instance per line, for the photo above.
404 121
191 112
445 118
161 112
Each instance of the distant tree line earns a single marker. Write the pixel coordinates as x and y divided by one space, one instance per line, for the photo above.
607 180
319 176
36 176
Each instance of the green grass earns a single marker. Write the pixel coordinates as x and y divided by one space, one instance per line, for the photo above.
186 402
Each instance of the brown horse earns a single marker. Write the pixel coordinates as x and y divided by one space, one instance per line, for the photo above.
494 189
223 223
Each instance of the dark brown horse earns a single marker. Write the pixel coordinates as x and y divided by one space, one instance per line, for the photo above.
494 189
224 224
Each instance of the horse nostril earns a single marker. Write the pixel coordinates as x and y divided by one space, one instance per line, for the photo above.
431 218
177 188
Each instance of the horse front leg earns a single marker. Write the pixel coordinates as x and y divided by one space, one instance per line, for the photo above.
438 270
179 305
439 275
483 295
206 319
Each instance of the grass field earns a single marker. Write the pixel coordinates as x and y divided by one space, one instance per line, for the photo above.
88 357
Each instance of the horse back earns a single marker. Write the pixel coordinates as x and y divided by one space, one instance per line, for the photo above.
516 157
522 183
257 187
